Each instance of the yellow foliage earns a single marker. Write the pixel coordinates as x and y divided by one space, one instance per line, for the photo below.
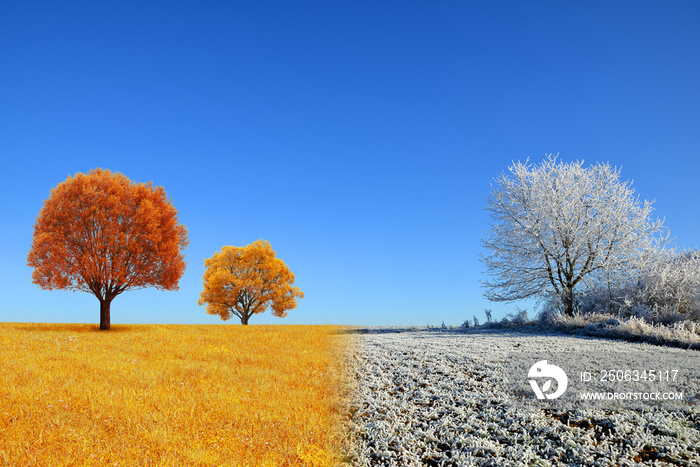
243 281
169 395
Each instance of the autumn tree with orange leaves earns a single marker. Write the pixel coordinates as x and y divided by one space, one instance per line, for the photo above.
103 233
243 281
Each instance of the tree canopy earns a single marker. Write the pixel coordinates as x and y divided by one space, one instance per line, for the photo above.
244 281
557 224
103 233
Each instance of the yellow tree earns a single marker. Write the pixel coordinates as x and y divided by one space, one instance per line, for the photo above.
102 233
243 281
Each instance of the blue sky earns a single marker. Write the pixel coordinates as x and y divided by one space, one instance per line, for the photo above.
359 138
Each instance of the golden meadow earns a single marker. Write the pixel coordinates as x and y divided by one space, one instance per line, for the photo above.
170 395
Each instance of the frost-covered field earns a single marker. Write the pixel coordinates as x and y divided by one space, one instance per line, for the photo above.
439 398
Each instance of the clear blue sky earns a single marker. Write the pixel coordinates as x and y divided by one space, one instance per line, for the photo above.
359 138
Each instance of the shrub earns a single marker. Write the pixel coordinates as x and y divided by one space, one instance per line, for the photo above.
671 288
548 316
519 317
667 292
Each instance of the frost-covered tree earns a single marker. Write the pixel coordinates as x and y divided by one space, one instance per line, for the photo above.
556 224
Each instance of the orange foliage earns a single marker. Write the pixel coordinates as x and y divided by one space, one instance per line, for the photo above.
102 233
246 280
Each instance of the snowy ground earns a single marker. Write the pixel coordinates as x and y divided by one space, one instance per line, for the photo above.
426 397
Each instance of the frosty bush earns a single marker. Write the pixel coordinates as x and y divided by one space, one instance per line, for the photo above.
548 315
667 291
519 317
671 288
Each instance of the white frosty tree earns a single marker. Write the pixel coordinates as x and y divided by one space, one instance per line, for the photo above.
554 225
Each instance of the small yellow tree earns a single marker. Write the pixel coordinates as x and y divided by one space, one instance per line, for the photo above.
246 280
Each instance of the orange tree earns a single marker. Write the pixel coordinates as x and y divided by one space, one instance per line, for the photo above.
242 281
102 233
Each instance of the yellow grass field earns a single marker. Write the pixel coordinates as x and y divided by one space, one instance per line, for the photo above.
170 395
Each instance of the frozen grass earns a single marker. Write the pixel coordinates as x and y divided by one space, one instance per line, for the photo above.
437 398
684 334
153 395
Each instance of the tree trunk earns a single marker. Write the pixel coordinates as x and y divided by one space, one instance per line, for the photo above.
244 319
104 314
568 299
